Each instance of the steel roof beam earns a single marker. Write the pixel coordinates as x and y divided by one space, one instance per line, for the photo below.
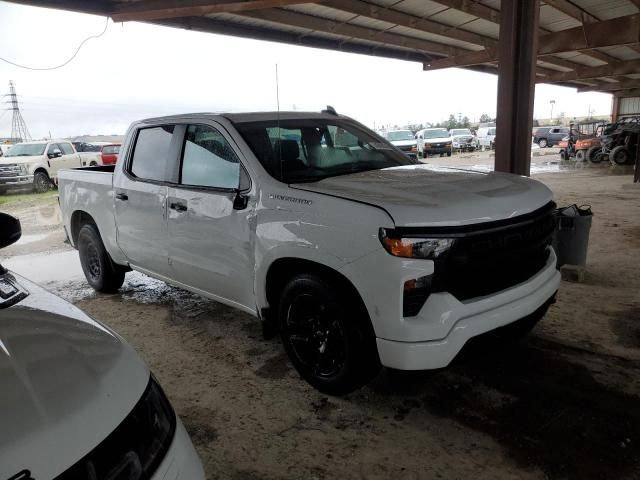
627 93
301 20
617 31
396 17
148 10
621 68
612 87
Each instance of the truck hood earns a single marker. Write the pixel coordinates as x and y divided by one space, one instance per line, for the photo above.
31 158
67 381
426 195
437 140
403 143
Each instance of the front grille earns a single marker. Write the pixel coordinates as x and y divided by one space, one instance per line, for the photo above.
406 148
490 257
135 449
10 170
497 257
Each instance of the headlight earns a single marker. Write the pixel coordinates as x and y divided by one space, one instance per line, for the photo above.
428 248
24 170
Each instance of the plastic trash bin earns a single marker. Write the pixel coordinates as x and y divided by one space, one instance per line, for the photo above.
571 237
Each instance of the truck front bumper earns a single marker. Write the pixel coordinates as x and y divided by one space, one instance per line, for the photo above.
16 181
433 337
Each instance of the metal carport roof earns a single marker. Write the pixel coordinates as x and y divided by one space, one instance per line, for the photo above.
589 44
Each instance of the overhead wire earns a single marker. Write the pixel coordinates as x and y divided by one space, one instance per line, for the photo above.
106 25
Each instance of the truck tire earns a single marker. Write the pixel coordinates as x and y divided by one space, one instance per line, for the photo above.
101 273
620 155
41 182
542 143
592 152
327 336
580 156
448 154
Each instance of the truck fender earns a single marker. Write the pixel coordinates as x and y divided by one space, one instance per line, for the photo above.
265 259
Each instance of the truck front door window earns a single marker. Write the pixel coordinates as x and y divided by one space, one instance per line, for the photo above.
208 159
66 148
151 154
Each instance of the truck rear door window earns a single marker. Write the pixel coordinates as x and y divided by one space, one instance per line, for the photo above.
208 159
151 153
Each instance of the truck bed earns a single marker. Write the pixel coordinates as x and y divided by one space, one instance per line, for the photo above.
89 190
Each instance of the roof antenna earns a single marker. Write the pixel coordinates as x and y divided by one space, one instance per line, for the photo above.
278 124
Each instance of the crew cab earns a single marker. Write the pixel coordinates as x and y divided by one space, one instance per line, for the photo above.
356 254
462 139
36 164
77 401
433 141
404 140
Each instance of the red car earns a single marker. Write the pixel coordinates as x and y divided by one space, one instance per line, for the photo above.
110 153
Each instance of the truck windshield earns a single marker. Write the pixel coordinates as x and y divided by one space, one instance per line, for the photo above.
308 150
400 135
439 133
26 150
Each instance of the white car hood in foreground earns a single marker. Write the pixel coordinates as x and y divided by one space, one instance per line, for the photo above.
424 195
66 382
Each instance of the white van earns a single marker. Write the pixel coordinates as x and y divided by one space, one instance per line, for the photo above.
486 138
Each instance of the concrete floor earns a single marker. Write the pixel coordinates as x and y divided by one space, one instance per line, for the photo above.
564 404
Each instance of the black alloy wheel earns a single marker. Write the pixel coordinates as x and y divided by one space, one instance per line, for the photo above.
327 335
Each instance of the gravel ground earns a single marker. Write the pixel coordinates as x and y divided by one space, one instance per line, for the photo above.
563 404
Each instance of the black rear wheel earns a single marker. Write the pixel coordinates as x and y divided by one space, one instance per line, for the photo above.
580 156
327 337
99 270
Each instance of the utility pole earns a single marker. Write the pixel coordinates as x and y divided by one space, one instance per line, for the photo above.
19 131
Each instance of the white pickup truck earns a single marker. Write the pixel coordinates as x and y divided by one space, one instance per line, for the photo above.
358 255
36 164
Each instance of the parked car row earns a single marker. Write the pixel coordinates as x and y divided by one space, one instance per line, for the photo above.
439 141
36 164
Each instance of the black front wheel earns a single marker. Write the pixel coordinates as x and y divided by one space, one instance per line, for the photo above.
41 182
620 155
100 271
327 336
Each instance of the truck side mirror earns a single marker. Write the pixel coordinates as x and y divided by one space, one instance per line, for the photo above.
10 230
55 154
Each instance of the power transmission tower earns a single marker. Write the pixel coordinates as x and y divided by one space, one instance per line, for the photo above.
19 130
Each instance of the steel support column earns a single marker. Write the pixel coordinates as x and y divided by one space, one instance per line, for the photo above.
615 108
516 84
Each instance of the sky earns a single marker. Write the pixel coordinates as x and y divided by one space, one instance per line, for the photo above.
136 70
